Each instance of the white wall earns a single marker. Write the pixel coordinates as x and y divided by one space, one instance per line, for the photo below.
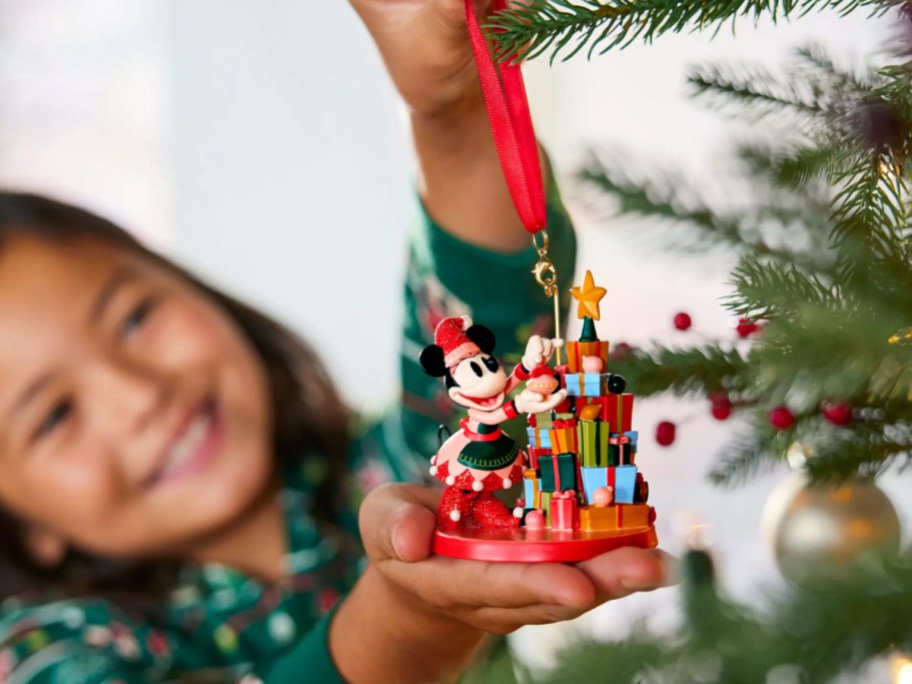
291 173
82 106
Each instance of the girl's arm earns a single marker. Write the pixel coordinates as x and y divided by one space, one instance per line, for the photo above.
425 46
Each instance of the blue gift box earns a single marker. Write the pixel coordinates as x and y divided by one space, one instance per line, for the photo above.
529 491
624 478
586 384
544 439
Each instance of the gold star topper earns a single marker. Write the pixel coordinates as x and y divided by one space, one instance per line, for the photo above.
588 297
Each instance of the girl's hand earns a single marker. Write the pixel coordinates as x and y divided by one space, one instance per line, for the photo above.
426 49
397 522
414 617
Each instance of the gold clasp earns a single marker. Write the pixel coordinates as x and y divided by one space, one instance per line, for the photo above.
544 271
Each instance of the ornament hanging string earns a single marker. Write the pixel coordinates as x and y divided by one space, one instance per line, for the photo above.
517 148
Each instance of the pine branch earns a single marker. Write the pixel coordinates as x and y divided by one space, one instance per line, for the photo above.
833 78
743 459
666 198
755 93
567 26
693 371
844 621
776 290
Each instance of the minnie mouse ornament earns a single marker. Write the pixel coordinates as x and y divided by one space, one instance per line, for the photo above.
480 458
583 492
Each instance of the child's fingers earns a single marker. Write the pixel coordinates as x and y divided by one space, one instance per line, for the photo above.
624 571
507 620
397 522
449 584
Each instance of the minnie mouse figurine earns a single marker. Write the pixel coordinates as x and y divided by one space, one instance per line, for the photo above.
480 458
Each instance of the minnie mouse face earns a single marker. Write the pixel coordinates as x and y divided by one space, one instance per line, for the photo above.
476 381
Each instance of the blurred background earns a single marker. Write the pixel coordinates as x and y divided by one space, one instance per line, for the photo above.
266 149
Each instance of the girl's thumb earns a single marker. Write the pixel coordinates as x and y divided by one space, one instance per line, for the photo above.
397 522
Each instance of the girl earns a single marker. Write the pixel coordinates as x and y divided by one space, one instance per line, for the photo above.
179 474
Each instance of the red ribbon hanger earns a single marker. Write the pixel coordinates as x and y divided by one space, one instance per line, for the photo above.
511 123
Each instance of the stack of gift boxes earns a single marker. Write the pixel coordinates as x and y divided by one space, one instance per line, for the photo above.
582 471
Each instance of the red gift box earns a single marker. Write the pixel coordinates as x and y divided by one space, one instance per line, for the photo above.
610 405
577 350
564 511
534 453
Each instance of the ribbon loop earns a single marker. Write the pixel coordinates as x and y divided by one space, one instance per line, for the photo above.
511 123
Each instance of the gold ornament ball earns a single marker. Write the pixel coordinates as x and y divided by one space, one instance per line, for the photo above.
816 531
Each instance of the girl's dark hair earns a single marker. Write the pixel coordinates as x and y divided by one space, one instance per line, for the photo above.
308 413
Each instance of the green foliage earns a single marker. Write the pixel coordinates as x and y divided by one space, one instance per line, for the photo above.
567 26
824 262
817 632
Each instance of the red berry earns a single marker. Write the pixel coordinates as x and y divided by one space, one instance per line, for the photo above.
721 411
682 321
621 351
720 397
837 413
665 433
746 327
781 418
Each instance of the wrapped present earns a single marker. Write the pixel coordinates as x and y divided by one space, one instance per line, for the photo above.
616 517
539 437
635 515
593 478
641 492
557 472
623 479
546 507
577 350
587 438
598 519
614 409
541 420
563 439
586 384
531 488
593 438
620 451
535 453
564 511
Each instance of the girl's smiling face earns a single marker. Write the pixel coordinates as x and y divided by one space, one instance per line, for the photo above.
134 413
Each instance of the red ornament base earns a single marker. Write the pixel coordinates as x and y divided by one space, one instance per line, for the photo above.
522 545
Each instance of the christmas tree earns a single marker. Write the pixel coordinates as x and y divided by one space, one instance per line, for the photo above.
824 291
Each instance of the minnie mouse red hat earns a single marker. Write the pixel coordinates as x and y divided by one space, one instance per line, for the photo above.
450 336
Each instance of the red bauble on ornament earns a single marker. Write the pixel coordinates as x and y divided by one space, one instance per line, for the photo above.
682 321
837 413
781 418
746 327
665 433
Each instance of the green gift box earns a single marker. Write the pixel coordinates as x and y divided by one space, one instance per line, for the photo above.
566 472
544 421
588 441
546 507
605 455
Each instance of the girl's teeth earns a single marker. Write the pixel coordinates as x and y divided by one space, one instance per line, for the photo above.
187 444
